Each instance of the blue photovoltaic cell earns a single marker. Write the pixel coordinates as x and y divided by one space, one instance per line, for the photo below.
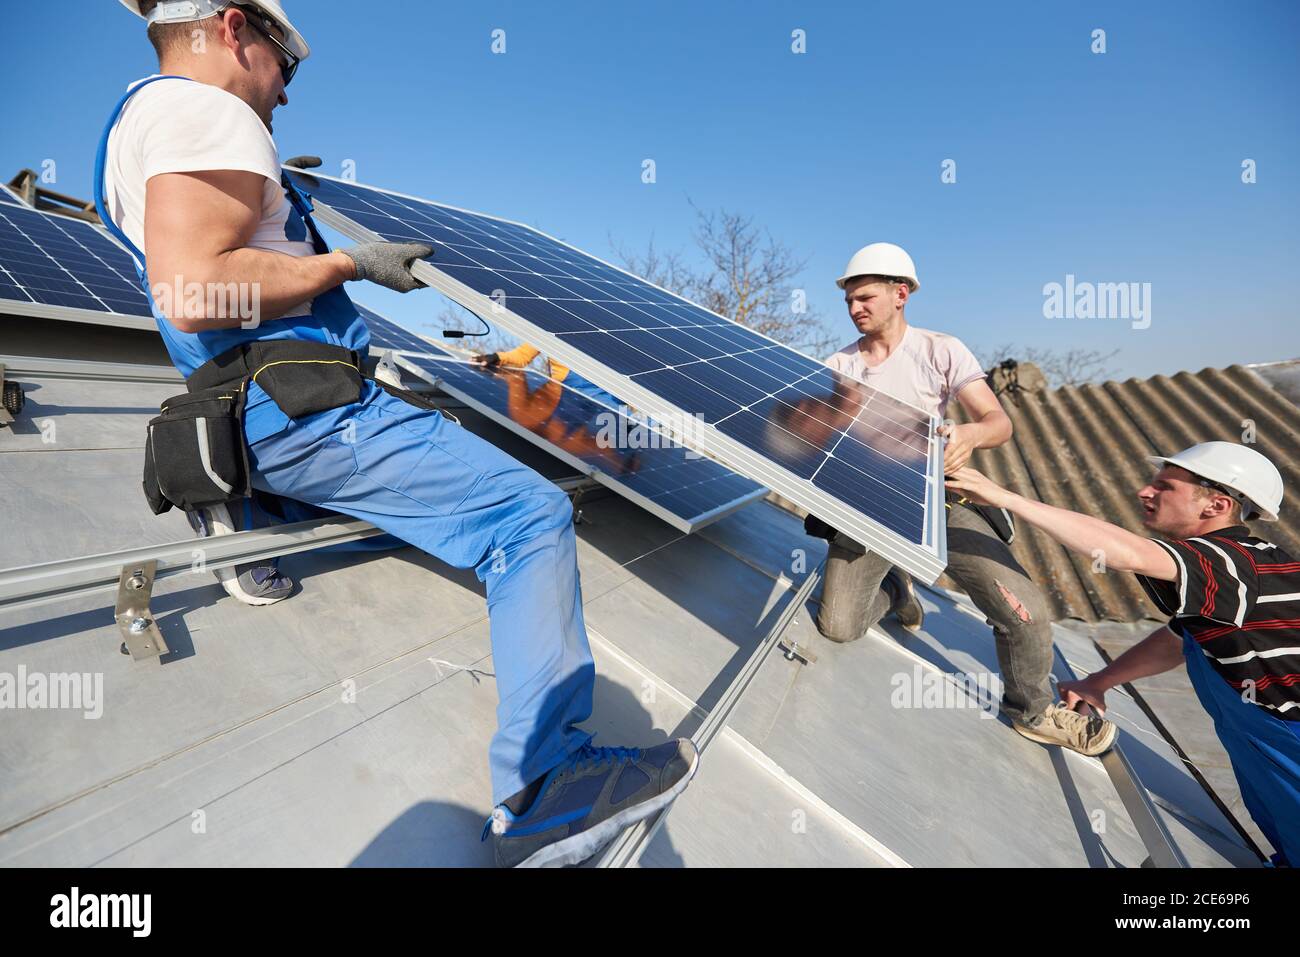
8 198
57 261
388 335
861 446
688 486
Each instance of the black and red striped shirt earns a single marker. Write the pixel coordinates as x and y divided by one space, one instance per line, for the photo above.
1238 596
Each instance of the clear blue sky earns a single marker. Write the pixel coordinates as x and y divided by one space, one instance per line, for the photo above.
1115 167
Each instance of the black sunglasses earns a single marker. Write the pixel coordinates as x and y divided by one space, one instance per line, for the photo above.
1216 487
290 65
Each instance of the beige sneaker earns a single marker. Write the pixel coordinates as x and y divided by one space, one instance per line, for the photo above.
1069 729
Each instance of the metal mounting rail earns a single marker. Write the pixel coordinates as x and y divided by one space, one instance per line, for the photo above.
1162 851
58 581
30 585
88 370
27 367
627 848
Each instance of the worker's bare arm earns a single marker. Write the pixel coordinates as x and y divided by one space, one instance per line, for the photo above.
1159 652
984 410
1119 548
197 227
988 427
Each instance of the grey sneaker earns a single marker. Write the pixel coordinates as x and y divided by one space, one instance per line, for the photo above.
251 584
905 606
1060 726
586 801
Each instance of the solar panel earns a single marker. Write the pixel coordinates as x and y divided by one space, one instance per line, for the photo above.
686 490
7 197
61 268
865 462
52 263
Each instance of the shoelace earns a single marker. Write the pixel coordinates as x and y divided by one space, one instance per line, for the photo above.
266 573
1092 724
586 757
592 757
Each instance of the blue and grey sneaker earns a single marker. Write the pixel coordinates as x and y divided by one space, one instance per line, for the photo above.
252 584
585 802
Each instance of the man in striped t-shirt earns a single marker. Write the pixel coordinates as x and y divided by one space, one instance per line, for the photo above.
1234 606
1238 597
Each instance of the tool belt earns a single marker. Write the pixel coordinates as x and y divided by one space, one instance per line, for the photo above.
196 454
999 519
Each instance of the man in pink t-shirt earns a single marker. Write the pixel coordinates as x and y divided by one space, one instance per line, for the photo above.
928 369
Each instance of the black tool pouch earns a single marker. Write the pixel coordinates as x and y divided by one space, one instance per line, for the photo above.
302 378
195 454
306 386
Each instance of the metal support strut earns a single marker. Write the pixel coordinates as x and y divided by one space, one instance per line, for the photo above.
627 848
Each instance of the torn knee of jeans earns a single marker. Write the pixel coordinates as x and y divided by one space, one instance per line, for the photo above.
1015 603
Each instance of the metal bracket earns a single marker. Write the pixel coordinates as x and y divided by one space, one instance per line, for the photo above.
577 497
134 617
387 370
789 644
576 487
793 651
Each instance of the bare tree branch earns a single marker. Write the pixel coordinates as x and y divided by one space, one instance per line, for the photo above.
746 275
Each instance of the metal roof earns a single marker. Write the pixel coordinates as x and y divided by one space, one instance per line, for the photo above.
240 747
1084 447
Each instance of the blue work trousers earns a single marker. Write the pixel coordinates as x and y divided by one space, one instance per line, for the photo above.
427 481
1264 751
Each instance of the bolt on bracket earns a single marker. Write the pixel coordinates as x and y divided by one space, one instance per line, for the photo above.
794 651
134 618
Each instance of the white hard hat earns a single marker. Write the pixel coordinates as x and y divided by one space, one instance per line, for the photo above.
1236 468
186 11
881 259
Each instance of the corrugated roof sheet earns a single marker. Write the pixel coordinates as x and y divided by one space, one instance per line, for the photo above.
1083 448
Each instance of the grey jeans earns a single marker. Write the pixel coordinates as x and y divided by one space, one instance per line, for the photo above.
982 564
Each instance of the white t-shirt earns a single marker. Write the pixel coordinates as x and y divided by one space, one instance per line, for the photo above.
926 369
182 126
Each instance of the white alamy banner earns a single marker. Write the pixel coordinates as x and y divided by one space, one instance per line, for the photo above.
53 691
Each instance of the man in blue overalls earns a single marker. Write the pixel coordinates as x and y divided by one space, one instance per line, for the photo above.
189 179
1234 606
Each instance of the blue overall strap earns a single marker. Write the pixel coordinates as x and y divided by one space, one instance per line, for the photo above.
101 162
303 207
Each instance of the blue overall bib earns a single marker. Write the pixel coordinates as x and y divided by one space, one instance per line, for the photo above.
1264 750
429 482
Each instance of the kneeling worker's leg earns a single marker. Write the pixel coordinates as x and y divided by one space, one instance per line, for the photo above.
852 597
